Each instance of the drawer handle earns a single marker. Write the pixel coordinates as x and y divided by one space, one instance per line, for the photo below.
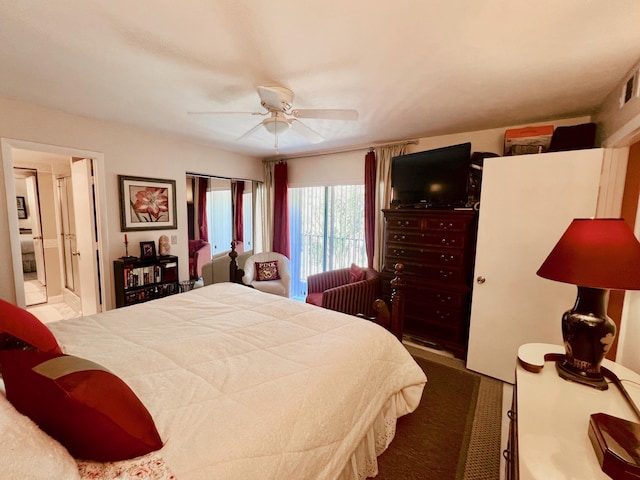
444 299
399 237
445 226
442 316
507 455
401 223
447 258
448 241
399 253
445 274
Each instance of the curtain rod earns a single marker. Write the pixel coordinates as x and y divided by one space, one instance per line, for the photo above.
338 150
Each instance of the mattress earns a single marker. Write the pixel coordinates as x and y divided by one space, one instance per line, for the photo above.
243 384
28 255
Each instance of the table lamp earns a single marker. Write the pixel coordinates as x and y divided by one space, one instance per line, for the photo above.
596 255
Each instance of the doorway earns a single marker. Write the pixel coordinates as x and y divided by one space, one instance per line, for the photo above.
30 228
66 191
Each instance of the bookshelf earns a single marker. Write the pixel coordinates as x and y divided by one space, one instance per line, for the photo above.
139 280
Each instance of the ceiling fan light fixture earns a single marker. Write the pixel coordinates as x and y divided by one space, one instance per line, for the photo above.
276 126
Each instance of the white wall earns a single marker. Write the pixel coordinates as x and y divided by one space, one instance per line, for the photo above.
619 126
124 150
348 167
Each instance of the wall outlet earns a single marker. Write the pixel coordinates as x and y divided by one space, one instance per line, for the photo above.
174 239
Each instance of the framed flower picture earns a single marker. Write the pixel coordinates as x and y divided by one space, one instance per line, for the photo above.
147 203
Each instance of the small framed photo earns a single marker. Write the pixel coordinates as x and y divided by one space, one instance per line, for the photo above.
147 249
147 203
22 208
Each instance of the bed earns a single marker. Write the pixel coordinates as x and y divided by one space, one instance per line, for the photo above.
240 384
27 250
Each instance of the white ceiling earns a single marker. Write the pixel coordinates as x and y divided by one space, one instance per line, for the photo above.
411 68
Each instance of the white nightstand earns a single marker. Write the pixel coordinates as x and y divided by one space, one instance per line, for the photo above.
548 437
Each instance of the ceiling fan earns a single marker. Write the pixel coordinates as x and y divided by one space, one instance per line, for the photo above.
278 103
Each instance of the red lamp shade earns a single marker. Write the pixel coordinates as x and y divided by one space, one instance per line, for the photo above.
597 253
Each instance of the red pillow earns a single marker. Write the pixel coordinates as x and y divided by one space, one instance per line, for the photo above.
267 271
19 323
89 410
356 273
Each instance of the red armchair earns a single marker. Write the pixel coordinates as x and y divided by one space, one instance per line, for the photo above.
199 254
348 290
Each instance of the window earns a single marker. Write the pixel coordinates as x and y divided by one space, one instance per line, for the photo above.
247 219
327 231
220 215
219 218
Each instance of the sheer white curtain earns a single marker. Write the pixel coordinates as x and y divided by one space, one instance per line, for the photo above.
384 155
267 208
259 217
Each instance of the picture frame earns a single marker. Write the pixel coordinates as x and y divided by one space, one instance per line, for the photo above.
22 208
147 249
147 203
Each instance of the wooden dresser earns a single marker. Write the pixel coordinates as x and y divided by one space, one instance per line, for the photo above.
437 248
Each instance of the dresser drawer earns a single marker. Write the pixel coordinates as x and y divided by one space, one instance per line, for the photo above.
434 315
422 295
419 292
447 223
403 253
404 222
427 239
432 222
430 273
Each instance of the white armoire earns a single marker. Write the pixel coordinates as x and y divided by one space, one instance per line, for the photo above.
526 204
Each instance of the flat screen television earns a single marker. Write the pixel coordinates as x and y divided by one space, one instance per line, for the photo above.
434 178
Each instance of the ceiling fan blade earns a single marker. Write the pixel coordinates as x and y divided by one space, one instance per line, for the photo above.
311 135
249 132
228 113
329 114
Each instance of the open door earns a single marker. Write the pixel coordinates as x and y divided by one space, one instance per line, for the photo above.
36 228
86 252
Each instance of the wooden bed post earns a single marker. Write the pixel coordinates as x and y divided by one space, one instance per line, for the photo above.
393 319
235 273
397 301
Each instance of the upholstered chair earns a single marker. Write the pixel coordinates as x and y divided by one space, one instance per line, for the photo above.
348 290
199 254
268 272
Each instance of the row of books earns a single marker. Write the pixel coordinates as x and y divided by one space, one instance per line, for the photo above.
149 293
139 276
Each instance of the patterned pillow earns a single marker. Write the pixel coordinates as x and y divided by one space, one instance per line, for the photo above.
151 466
356 273
88 409
267 271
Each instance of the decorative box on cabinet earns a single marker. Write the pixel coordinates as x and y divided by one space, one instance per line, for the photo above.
437 250
139 280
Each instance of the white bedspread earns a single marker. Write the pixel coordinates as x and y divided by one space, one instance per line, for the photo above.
246 385
26 243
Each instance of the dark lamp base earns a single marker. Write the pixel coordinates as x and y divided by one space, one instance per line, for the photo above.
567 372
